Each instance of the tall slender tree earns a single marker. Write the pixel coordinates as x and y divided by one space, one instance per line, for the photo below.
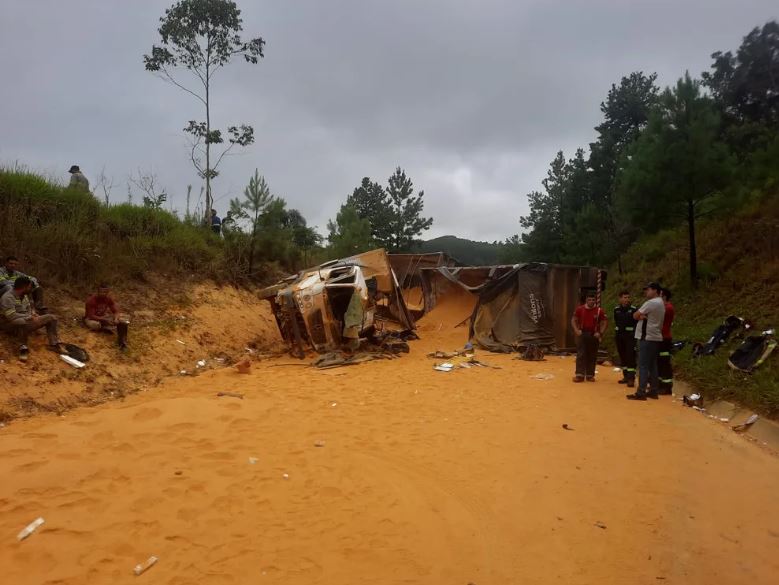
678 166
202 36
406 222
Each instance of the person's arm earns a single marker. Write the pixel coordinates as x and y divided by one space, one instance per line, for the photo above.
604 322
575 324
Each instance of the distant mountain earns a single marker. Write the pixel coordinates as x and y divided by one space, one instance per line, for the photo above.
467 252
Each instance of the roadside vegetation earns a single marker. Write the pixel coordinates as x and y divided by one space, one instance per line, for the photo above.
740 276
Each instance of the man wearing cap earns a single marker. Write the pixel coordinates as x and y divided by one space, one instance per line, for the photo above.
625 338
589 322
78 180
665 369
649 333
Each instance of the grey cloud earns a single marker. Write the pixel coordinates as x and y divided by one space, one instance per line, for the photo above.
472 98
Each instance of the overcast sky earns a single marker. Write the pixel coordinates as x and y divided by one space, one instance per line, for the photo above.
472 98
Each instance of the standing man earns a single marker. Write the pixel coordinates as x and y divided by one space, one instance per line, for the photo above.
102 314
589 322
78 180
649 333
216 223
8 275
625 331
665 369
17 316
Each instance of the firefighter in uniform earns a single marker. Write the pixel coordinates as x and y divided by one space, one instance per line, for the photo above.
624 327
665 371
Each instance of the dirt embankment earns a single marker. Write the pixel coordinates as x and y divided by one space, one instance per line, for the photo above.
172 328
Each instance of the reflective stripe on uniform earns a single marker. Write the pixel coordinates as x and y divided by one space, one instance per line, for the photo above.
666 380
665 354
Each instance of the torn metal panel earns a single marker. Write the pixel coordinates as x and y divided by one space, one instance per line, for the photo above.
338 302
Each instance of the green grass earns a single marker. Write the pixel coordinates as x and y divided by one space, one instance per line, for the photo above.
71 239
739 265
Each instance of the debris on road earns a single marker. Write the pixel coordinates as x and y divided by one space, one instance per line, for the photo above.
746 424
141 568
230 394
600 525
253 460
566 427
29 529
543 376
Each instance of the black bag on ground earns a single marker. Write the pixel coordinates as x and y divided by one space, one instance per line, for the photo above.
76 352
752 352
719 337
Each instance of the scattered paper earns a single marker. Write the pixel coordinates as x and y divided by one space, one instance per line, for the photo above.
543 377
30 528
253 460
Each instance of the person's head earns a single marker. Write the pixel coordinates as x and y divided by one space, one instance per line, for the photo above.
74 169
666 292
22 286
652 290
589 300
213 212
624 298
12 263
103 290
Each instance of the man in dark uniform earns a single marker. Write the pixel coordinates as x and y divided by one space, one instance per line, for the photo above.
625 327
665 369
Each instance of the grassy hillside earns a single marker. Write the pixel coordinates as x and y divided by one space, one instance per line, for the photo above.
70 239
739 260
466 251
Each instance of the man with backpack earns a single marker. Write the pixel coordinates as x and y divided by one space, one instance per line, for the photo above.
589 323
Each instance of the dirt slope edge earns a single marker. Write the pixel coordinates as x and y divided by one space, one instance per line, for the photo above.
173 327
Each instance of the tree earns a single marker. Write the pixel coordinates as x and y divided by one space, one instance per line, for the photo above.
350 234
303 236
746 88
253 208
202 36
146 182
371 202
405 213
746 85
625 114
678 166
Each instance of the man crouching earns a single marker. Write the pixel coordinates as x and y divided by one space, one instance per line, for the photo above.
19 317
102 314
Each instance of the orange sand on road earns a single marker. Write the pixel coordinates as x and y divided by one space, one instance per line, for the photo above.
422 477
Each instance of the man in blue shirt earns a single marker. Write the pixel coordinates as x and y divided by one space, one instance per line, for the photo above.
216 223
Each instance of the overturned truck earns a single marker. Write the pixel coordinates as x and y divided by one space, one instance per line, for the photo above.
338 303
518 305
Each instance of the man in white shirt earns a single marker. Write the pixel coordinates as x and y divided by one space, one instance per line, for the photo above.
649 334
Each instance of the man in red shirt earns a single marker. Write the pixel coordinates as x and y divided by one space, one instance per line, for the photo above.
589 322
102 314
665 370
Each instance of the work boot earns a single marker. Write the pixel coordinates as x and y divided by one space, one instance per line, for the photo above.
578 379
24 353
652 395
121 334
622 381
590 378
636 396
631 383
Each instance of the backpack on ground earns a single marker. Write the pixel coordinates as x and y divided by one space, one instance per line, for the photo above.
754 350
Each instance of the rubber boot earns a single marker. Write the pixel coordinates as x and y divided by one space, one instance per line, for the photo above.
121 334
